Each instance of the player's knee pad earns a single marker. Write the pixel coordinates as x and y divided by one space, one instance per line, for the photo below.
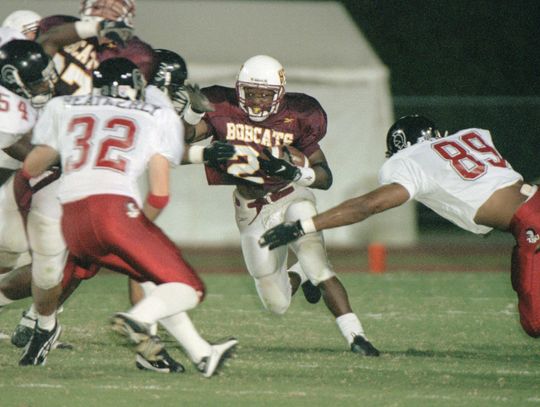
48 270
45 234
312 256
274 292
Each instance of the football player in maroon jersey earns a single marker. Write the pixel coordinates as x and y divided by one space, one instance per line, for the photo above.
257 116
105 30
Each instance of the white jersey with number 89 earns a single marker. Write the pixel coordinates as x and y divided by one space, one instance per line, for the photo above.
453 175
106 143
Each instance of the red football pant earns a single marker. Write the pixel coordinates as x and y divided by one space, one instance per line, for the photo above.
111 231
525 227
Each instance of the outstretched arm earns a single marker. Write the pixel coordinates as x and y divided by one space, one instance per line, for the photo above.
351 211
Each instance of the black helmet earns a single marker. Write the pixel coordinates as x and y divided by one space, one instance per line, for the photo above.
28 71
171 72
170 76
409 130
118 78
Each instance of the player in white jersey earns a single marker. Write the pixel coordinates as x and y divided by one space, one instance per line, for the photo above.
27 78
168 89
105 141
8 163
464 179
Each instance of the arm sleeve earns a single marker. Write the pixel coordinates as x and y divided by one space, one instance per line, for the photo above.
46 129
170 136
8 139
403 172
313 128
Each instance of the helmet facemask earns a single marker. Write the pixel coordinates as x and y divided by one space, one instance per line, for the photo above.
38 90
259 111
260 72
116 10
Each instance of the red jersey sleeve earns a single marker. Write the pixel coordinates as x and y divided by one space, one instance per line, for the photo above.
311 121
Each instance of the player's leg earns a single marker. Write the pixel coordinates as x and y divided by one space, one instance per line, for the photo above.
49 254
145 253
14 257
206 357
525 227
268 268
311 253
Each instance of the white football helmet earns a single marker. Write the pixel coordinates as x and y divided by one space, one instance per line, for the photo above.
262 72
117 10
24 21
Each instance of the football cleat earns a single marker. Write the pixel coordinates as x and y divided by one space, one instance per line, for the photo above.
312 293
363 346
36 351
209 365
23 331
165 363
138 333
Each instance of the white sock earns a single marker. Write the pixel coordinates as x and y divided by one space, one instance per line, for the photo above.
4 300
47 322
181 327
350 326
166 300
32 313
148 287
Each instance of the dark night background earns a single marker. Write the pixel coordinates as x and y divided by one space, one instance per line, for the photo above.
472 63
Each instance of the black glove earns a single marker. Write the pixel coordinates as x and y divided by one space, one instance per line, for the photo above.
116 31
281 235
199 102
218 151
277 167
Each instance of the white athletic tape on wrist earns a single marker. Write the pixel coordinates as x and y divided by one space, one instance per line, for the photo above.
86 28
192 117
196 154
307 176
308 226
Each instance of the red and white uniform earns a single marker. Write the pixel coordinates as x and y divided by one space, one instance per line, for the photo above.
18 117
105 145
301 123
76 61
454 176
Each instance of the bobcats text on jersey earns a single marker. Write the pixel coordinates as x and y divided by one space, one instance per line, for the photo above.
259 135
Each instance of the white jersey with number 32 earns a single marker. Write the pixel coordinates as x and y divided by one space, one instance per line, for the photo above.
453 175
106 143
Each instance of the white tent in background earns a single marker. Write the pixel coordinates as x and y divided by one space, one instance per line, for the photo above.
324 55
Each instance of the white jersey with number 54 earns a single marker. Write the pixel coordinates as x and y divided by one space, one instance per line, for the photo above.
106 143
453 175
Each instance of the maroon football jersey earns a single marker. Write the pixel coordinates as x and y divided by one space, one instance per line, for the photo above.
75 62
299 122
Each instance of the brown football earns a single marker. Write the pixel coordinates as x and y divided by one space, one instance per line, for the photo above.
291 154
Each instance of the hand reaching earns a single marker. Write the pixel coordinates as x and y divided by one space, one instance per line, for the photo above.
218 151
281 235
199 102
116 31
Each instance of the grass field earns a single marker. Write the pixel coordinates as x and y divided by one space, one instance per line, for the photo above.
448 338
